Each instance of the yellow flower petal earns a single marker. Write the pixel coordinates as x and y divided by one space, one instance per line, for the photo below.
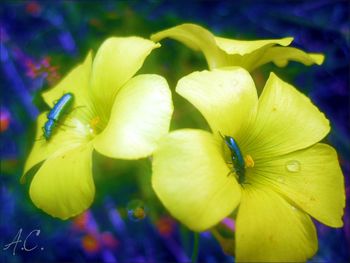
63 139
241 47
286 121
311 178
225 97
269 229
223 52
191 179
252 54
116 61
281 55
63 187
197 38
76 82
140 117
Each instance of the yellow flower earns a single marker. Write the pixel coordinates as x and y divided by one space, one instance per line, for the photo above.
289 176
119 115
221 52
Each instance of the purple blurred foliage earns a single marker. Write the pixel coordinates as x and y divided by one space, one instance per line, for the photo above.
16 83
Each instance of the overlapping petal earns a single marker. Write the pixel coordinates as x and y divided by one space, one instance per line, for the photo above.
244 47
63 186
190 178
197 38
140 117
63 140
222 52
76 82
281 55
116 61
226 97
286 121
310 178
141 113
269 229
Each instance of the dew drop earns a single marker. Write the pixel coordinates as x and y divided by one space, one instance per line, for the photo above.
293 166
136 210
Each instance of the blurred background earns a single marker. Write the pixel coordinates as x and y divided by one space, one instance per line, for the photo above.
42 40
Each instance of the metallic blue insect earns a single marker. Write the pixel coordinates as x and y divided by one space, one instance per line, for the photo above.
237 158
48 128
60 108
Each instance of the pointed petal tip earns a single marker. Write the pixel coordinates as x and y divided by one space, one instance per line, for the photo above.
337 224
155 40
112 41
286 41
89 56
22 180
273 75
318 58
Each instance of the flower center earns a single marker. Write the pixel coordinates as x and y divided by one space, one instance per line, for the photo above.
248 161
95 125
238 163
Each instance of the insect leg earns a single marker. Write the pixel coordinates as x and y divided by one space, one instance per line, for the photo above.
65 125
59 124
230 172
77 107
40 138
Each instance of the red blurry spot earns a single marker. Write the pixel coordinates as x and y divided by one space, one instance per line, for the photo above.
33 8
95 22
4 120
109 241
90 243
80 223
165 226
45 62
43 68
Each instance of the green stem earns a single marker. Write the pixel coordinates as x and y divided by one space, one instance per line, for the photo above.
195 248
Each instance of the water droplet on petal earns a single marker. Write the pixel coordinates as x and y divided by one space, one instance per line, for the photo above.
293 166
136 210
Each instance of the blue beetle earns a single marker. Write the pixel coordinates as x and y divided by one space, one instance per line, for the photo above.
236 157
48 128
60 108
